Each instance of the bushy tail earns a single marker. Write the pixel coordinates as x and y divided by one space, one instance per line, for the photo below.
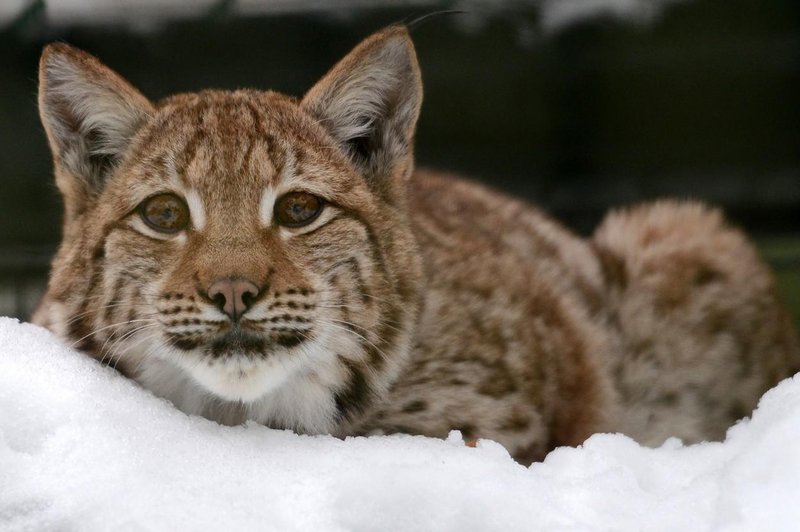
701 332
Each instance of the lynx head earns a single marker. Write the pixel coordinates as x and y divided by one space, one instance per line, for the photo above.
241 243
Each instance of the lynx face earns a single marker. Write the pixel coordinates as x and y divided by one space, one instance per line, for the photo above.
245 243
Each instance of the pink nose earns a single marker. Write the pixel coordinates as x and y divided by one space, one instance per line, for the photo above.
233 296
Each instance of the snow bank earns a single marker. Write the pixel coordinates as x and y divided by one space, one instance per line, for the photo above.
82 448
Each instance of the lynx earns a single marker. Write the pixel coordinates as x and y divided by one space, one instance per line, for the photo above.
252 256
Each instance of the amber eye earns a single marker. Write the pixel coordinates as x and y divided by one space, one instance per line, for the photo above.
166 213
297 209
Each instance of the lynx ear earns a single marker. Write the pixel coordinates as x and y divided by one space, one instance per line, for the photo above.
369 102
90 114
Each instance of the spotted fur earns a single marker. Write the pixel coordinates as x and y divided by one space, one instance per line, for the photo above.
417 302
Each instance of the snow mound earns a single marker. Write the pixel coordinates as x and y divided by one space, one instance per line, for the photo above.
82 448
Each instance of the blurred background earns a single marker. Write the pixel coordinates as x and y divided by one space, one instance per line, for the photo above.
576 105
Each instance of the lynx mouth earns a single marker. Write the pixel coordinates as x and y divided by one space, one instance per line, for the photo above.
242 365
238 341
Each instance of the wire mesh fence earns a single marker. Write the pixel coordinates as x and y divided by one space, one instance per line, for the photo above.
23 278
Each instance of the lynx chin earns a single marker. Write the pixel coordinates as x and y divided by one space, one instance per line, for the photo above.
253 256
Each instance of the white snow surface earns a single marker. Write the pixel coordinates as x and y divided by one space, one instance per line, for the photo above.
83 448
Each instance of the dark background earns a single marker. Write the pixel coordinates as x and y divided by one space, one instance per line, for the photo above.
701 101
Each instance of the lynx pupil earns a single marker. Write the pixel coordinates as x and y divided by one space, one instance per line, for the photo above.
165 213
296 209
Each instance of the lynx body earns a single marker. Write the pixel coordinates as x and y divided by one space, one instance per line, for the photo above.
251 256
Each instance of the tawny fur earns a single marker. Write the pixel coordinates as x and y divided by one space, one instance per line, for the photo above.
417 302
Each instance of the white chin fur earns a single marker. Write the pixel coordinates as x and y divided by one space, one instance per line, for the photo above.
240 378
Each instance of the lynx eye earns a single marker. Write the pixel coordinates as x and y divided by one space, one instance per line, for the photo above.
166 213
297 209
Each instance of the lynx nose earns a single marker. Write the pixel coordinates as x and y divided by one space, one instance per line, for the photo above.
233 296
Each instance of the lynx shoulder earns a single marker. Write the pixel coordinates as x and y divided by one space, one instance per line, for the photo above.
251 256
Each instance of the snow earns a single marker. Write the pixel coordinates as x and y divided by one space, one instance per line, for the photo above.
149 14
558 14
83 448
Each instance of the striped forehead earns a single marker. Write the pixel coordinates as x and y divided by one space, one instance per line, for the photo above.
233 149
227 146
251 181
228 140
